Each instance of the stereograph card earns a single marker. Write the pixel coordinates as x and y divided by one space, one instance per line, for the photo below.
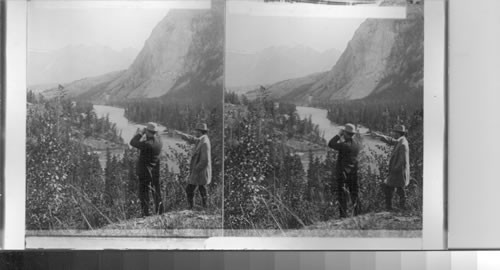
225 124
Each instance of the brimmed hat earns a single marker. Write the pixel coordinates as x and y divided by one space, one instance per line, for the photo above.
350 128
202 127
153 127
400 129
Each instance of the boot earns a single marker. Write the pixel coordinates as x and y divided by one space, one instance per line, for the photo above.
402 203
388 197
190 202
203 194
160 209
190 196
341 197
402 199
357 208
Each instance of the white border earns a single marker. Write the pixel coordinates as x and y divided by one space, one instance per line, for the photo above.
15 125
474 162
434 234
433 216
101 243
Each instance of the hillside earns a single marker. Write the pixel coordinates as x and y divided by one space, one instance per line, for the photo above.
174 220
293 89
180 223
85 86
203 224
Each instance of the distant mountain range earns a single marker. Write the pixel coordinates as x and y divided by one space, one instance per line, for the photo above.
384 59
75 62
182 59
275 64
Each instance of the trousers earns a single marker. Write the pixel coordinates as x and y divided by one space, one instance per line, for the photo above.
389 191
190 189
347 185
150 181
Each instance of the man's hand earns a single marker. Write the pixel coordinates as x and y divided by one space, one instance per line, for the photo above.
140 131
376 134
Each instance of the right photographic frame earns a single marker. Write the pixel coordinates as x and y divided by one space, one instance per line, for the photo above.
334 124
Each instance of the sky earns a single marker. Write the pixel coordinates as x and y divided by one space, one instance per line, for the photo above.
127 24
117 24
248 33
252 26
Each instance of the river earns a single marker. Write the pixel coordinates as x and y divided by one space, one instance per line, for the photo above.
329 129
128 130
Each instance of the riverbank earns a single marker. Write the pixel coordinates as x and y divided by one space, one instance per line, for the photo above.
128 129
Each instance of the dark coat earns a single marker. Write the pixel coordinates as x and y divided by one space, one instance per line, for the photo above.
347 160
399 164
148 165
200 169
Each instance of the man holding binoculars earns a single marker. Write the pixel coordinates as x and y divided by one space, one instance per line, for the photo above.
347 168
149 143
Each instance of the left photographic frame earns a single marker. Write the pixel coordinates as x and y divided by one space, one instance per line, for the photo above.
123 123
2 118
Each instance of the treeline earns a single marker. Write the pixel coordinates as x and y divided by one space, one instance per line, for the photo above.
281 116
172 115
376 114
64 177
266 186
77 118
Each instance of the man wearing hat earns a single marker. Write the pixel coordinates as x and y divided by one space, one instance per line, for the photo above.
399 166
348 147
200 169
148 166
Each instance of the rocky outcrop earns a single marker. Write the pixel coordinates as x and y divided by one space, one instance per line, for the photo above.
203 71
162 60
362 64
